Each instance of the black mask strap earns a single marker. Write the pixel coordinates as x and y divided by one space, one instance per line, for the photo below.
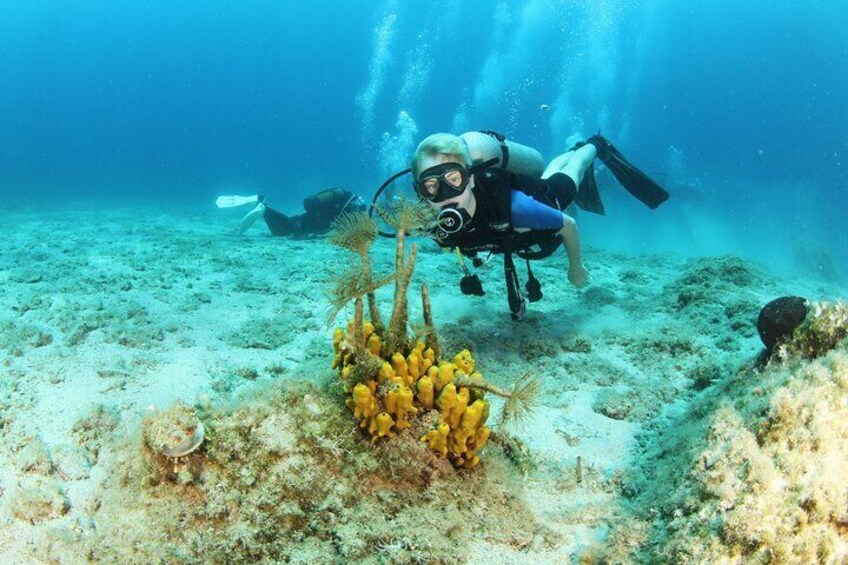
483 166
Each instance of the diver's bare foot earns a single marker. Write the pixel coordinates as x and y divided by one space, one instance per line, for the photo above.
577 275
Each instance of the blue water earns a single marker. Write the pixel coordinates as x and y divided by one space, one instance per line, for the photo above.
186 100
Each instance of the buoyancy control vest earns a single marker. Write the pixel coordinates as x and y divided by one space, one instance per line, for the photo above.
491 230
323 208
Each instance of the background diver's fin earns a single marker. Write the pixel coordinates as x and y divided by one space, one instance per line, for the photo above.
587 197
637 183
251 217
231 201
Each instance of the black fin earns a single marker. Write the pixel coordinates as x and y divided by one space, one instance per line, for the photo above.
588 197
533 286
637 183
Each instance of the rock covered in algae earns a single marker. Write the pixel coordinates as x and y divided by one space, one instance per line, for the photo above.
779 318
754 471
37 501
284 481
824 328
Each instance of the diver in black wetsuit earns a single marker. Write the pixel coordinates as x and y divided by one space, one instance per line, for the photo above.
486 207
321 210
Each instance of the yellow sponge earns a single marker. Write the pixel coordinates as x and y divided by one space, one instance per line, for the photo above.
458 409
437 439
446 371
364 403
425 392
469 425
381 426
374 344
409 383
404 408
464 361
446 400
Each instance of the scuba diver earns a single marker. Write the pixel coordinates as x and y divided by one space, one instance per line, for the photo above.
497 196
321 210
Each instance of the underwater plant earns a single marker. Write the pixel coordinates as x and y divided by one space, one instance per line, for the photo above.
519 402
356 231
406 217
352 283
395 382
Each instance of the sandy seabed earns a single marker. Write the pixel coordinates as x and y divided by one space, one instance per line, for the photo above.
109 316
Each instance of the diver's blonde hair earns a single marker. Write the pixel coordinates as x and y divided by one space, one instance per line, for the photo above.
441 144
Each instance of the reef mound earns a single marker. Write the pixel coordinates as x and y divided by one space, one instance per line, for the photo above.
285 478
755 470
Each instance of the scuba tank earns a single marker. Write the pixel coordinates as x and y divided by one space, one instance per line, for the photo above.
326 199
324 208
514 157
523 160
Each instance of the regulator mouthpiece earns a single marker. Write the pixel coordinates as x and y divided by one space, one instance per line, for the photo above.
451 221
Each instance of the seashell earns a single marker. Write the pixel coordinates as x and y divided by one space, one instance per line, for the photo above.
187 445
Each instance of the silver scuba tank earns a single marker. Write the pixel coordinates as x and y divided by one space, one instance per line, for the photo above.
514 157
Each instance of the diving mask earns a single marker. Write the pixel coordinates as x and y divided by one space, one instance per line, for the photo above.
447 180
442 182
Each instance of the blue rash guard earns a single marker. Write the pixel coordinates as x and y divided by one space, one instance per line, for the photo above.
532 214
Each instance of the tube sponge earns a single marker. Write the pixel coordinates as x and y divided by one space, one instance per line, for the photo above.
410 383
363 404
381 426
405 409
400 368
375 344
446 400
425 392
464 362
458 409
445 376
437 439
469 424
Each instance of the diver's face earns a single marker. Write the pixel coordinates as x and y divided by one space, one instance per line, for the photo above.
463 200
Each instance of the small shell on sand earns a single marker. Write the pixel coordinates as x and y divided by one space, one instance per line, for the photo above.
174 432
187 445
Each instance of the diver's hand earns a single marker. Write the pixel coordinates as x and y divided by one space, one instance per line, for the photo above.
577 275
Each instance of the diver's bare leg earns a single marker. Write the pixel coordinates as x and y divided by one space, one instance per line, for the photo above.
557 164
572 163
577 273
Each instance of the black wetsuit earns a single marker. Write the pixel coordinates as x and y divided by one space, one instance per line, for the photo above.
322 209
491 228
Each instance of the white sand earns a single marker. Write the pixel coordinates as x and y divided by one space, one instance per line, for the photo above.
179 308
